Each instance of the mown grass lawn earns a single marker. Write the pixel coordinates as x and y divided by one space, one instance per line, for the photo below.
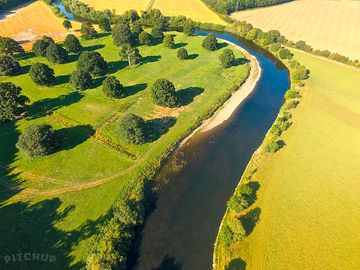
309 190
56 203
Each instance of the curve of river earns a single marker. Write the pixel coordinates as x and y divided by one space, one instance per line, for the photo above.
180 231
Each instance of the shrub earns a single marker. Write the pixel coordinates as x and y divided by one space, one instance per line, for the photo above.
182 54
227 58
81 80
113 88
300 73
292 104
145 38
40 46
163 93
274 146
38 140
67 24
290 94
189 29
237 228
72 44
226 235
42 74
169 41
87 30
9 46
8 66
275 47
13 104
285 54
132 129
56 54
93 63
238 203
122 35
130 54
210 43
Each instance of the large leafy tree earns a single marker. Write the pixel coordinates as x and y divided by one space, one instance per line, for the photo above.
10 47
12 103
42 74
130 54
104 24
88 31
8 66
122 34
113 88
93 63
72 44
67 24
164 93
81 80
56 54
132 129
39 47
227 58
145 38
210 43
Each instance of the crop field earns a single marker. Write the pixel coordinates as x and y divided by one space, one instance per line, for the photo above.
56 203
120 6
32 21
325 25
309 190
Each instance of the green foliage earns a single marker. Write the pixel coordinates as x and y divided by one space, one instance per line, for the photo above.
56 54
291 104
113 88
132 129
6 4
253 34
80 80
122 34
72 44
67 24
38 140
105 25
12 103
237 203
237 228
189 29
88 31
274 146
182 54
130 54
226 235
42 74
8 66
39 47
169 41
227 58
130 16
275 47
210 43
164 93
93 63
299 74
9 46
157 32
290 94
145 38
285 54
136 29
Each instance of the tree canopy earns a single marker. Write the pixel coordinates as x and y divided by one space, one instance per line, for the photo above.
72 44
227 58
132 129
113 88
182 54
122 35
80 80
39 47
88 31
8 66
12 103
164 93
42 74
210 43
56 54
130 54
10 47
93 63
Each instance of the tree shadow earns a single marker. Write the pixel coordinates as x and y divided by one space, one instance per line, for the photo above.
187 95
94 47
250 220
72 58
115 66
180 45
193 56
169 263
159 126
62 79
46 106
24 69
255 186
236 264
240 61
222 45
27 55
151 59
97 82
134 89
74 136
103 34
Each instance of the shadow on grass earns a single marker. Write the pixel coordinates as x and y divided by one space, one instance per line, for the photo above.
159 126
24 69
46 106
187 95
222 45
236 264
94 47
74 136
169 263
62 79
27 55
151 59
134 89
72 58
255 186
250 220
193 56
97 82
115 66
179 45
240 61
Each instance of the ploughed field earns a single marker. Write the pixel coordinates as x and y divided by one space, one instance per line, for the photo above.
54 204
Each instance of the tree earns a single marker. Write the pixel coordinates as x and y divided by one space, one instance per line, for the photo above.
42 74
157 32
210 43
145 38
189 29
300 73
38 140
12 103
8 66
56 54
113 88
164 93
169 41
88 31
40 46
130 16
182 54
136 29
81 80
104 24
67 24
93 63
227 58
10 47
122 35
285 54
130 54
132 129
72 44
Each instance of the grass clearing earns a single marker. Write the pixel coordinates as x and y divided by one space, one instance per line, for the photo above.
308 196
331 25
56 203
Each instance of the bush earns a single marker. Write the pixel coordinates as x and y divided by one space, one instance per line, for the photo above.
238 203
274 146
132 129
227 58
8 66
13 104
182 54
9 46
189 29
38 140
169 41
300 73
122 35
145 38
285 54
72 44
40 46
56 54
42 74
67 24
290 94
292 104
275 47
81 80
210 43
93 63
163 93
113 88
88 31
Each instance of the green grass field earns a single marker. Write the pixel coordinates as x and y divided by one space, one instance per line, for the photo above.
54 204
309 190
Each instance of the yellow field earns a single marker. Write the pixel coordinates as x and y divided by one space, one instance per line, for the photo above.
324 24
32 21
309 190
119 5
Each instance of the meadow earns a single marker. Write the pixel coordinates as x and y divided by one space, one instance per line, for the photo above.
325 25
56 203
308 197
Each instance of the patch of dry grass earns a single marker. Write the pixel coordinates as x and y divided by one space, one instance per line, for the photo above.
120 5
